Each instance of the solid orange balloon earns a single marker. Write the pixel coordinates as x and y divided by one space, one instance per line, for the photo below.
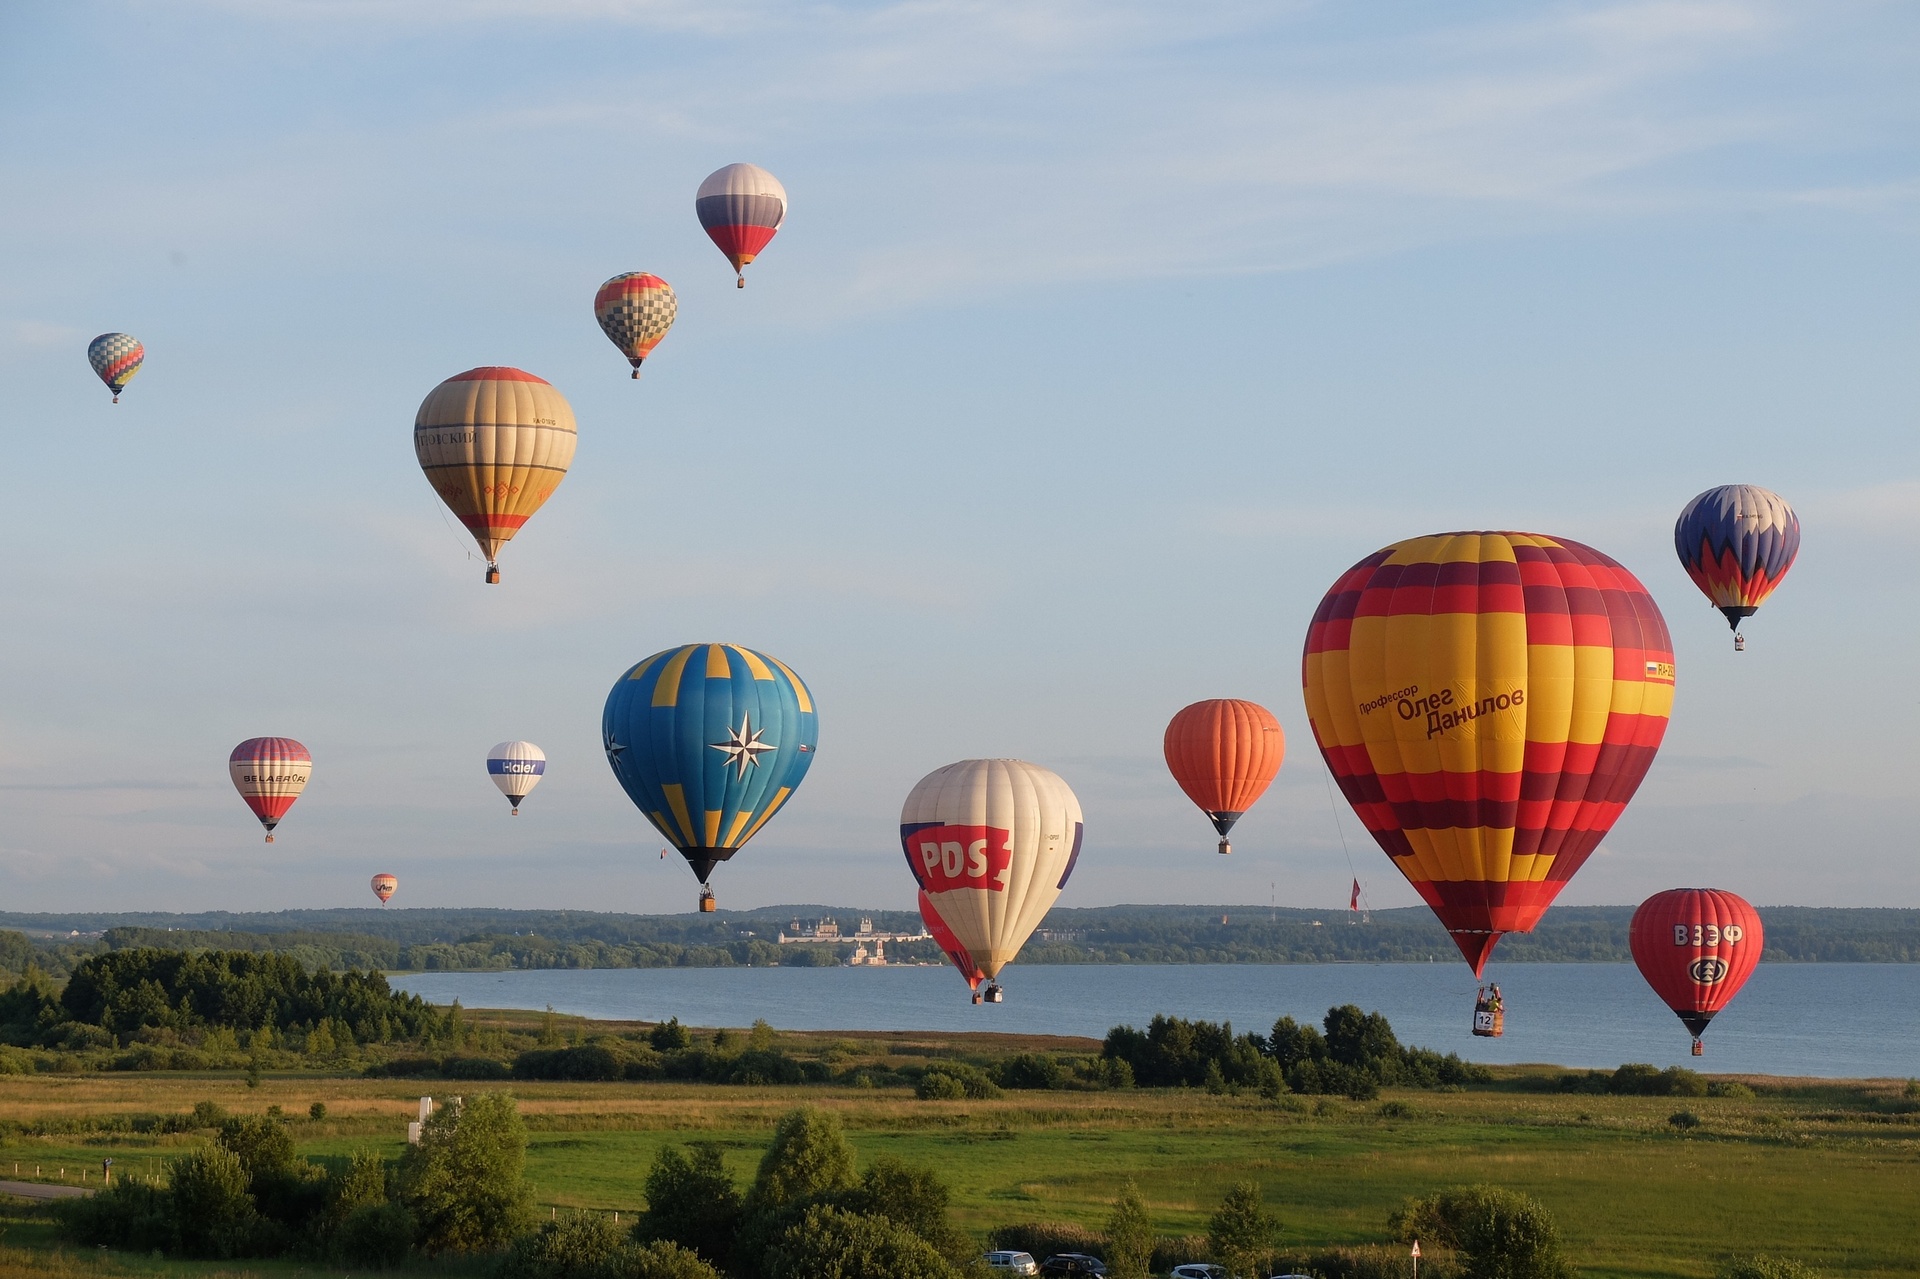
1223 753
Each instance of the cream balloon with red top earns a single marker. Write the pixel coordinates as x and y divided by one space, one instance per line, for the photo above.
991 842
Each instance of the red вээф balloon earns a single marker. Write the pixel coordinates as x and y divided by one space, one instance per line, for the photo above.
1696 947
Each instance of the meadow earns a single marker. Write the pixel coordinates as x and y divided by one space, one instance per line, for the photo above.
1825 1172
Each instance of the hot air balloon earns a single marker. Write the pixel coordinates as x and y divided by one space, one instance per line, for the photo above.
116 357
1736 543
494 443
1696 947
950 945
991 842
516 768
384 887
1223 752
709 741
740 207
270 773
635 311
1488 703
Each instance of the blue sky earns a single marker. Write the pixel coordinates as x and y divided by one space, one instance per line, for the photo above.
1101 337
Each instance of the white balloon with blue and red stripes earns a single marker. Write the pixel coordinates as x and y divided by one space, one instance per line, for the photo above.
516 768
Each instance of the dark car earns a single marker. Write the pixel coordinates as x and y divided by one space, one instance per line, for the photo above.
1077 1264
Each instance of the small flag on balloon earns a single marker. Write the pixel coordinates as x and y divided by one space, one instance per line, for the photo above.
1353 903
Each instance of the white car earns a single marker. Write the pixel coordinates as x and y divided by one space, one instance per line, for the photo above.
1013 1263
1199 1270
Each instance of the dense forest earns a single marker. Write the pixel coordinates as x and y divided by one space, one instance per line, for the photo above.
436 939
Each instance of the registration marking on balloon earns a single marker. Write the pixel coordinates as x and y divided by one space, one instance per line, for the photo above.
953 857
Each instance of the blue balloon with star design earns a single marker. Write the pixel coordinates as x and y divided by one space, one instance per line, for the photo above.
709 741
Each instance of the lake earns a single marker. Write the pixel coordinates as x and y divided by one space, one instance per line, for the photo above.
1836 1020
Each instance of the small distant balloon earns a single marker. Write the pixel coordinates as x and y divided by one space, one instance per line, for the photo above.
1224 752
516 768
495 443
635 311
1736 543
270 773
384 887
116 357
740 207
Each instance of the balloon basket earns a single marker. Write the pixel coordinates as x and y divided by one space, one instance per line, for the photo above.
493 575
993 994
1698 1051
269 839
1489 1025
1225 848
707 906
1739 643
976 996
740 282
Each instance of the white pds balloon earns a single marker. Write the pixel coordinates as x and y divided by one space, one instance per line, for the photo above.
516 768
991 842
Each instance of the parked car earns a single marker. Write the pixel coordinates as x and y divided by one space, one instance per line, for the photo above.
1076 1264
1199 1270
1013 1263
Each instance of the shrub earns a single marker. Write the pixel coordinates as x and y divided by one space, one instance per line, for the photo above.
208 1114
670 1036
691 1202
974 1083
1498 1233
913 1199
1171 1252
317 1111
1396 1110
1636 1079
587 1062
829 1243
658 1260
264 1148
1730 1088
132 1215
1130 1237
208 1206
1031 1071
1241 1232
377 1235
463 1182
809 1158
570 1247
1684 1119
938 1085
1764 1268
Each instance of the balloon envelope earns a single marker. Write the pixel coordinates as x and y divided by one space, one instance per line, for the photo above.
635 311
1736 543
991 843
384 887
116 357
740 207
709 741
1488 702
1224 752
494 443
516 768
270 773
949 944
1696 947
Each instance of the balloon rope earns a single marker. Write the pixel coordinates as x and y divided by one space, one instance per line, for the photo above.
464 543
1326 781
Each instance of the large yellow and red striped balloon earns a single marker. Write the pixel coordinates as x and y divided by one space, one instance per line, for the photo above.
494 443
1488 702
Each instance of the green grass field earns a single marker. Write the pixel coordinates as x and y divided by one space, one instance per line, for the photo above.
1826 1174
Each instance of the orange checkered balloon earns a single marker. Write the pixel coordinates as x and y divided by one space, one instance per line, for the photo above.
1488 702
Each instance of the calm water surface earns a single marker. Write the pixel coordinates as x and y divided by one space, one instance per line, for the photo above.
1843 1020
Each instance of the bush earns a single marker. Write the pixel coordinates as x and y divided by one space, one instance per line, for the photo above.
938 1085
209 1208
1242 1232
1497 1233
913 1199
1731 1088
208 1114
1130 1236
691 1202
1764 1268
670 1036
1684 1119
829 1243
1044 1238
1171 1252
135 1216
974 1083
809 1158
463 1182
587 1062
658 1260
1636 1079
378 1235
570 1247
1396 1110
1031 1071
